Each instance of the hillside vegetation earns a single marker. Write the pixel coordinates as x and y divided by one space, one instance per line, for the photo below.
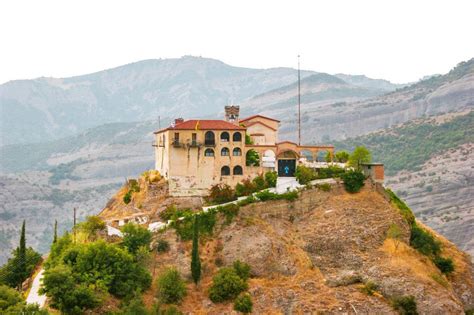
409 146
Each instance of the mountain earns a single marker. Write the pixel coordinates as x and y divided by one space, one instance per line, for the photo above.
429 163
51 108
336 110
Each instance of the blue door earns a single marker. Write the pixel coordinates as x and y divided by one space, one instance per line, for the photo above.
286 168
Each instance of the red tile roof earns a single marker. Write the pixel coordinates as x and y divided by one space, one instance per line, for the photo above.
196 124
255 116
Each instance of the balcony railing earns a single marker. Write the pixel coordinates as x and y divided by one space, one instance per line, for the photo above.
175 143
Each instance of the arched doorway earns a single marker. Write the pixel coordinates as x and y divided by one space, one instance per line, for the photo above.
287 163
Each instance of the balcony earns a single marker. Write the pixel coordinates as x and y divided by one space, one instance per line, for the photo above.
175 143
210 143
194 144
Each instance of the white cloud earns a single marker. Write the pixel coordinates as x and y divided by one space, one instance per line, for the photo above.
396 40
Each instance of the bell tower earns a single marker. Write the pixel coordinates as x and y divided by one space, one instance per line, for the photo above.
232 114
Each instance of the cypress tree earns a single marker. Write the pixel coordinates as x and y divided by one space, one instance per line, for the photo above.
22 272
55 238
195 260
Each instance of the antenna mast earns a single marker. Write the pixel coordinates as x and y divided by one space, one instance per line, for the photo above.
299 103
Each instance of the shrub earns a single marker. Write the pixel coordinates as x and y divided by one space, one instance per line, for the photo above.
405 305
226 285
230 211
168 213
259 182
424 242
353 180
342 156
92 226
246 201
171 288
394 232
135 236
267 195
271 178
127 197
133 185
162 246
304 174
135 306
243 303
331 171
252 158
245 188
405 211
221 193
440 279
325 187
242 269
370 287
445 265
289 195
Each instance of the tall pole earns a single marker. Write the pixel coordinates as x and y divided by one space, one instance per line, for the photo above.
299 103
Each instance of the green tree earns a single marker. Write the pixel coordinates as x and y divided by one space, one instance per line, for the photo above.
252 158
342 156
55 237
171 288
135 306
135 236
22 272
329 157
12 303
92 226
195 260
271 178
359 156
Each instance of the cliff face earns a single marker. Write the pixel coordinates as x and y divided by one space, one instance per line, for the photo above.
315 254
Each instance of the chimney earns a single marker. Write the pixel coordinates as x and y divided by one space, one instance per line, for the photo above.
232 114
178 121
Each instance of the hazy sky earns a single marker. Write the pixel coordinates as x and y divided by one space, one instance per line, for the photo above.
396 40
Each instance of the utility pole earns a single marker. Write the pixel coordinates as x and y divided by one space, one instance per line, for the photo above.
299 103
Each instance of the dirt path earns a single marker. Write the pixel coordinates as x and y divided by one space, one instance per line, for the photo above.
34 297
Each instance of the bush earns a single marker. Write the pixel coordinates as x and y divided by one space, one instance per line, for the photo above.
370 287
405 211
324 187
331 171
259 182
171 288
342 156
424 242
230 211
405 305
242 269
445 265
127 197
266 195
304 174
221 193
168 213
271 178
245 188
252 158
246 201
135 236
243 303
226 285
162 246
353 180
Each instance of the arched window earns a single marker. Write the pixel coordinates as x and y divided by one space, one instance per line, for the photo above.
209 152
209 138
238 170
225 152
236 152
225 136
225 171
237 137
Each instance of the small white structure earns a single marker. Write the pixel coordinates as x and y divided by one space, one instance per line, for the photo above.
113 231
156 226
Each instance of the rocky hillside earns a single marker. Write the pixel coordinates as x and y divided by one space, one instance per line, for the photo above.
295 270
334 111
430 164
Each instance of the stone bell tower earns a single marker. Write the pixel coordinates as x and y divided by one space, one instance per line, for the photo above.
232 114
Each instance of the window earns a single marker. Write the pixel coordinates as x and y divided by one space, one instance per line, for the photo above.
209 152
236 152
209 138
225 136
176 139
225 152
237 137
238 170
194 139
225 171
